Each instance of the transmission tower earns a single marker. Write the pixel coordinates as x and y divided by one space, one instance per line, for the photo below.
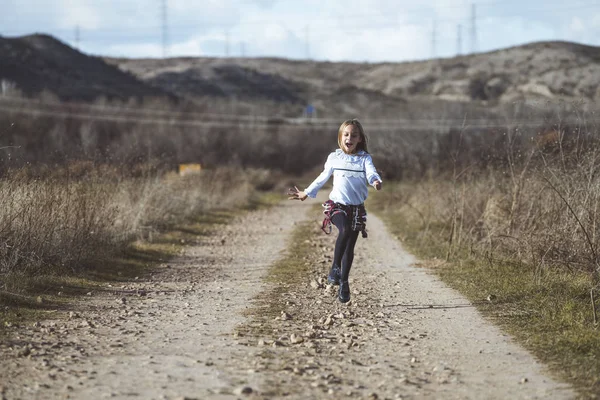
433 39
473 29
307 34
226 43
77 37
459 39
165 37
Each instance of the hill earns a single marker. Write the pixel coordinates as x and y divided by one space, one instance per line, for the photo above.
38 63
544 70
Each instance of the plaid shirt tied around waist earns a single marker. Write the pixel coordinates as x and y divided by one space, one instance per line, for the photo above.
357 215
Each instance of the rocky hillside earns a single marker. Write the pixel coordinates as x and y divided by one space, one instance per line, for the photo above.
38 63
545 70
541 71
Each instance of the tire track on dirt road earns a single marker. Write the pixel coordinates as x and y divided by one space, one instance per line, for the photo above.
173 335
404 335
488 364
165 337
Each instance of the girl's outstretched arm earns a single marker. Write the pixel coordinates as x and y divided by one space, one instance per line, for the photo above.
296 194
313 188
372 175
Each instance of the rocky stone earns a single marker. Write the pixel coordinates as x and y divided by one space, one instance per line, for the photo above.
285 316
310 334
244 390
295 339
350 352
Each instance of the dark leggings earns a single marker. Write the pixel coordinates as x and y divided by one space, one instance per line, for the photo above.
344 245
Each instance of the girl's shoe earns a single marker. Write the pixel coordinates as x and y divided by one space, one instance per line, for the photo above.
344 294
334 276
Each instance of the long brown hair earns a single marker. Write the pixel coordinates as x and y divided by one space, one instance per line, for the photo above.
363 143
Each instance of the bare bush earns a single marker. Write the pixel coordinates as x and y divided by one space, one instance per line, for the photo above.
527 192
514 178
549 219
51 223
72 219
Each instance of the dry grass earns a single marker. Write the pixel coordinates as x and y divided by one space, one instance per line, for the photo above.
529 239
63 224
286 272
67 237
408 141
511 214
46 131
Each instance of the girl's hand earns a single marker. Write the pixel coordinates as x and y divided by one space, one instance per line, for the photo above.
296 194
377 185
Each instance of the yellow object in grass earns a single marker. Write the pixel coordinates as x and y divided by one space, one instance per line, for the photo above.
187 169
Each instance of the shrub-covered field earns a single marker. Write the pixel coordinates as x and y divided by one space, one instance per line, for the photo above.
76 217
504 200
519 236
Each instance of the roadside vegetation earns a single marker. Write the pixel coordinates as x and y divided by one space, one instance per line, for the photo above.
64 231
91 191
517 232
502 200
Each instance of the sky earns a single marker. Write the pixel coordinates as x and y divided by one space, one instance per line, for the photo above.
323 30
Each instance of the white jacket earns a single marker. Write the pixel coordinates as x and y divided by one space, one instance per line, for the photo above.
351 173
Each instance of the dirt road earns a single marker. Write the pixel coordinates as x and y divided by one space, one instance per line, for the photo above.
191 330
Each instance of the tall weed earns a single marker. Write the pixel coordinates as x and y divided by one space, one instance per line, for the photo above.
68 222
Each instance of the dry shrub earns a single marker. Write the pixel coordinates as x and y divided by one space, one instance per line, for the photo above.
550 219
49 224
155 202
62 223
47 131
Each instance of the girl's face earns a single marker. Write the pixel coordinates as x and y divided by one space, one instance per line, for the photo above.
350 139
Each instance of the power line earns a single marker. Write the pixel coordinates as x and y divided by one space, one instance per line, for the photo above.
226 43
119 33
307 39
473 29
121 109
371 22
77 37
368 14
459 39
115 114
300 124
433 39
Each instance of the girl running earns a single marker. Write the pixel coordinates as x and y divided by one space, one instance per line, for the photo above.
352 168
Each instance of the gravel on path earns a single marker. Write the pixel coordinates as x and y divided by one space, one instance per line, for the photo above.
175 334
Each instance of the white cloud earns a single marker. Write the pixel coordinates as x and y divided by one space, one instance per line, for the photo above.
78 14
500 33
144 50
577 25
583 29
358 30
275 32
